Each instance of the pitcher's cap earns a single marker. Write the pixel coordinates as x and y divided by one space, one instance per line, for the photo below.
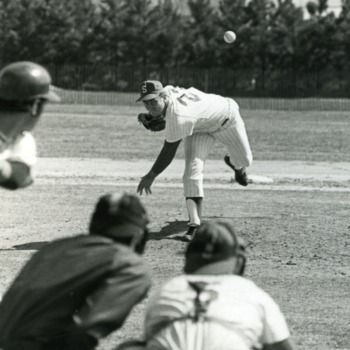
213 249
149 89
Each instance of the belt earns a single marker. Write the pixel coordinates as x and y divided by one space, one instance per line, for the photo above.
225 121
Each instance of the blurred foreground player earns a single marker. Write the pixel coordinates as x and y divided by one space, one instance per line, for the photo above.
77 290
24 90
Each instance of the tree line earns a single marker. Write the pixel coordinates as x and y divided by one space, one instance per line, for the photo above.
277 45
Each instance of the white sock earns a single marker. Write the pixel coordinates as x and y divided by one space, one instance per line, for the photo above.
193 212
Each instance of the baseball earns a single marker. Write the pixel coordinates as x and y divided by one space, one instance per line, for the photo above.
229 37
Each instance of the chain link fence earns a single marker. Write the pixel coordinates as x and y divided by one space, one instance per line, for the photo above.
286 83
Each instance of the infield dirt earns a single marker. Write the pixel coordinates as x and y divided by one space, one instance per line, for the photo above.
294 217
296 228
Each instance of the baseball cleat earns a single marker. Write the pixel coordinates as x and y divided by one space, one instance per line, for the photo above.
192 229
240 174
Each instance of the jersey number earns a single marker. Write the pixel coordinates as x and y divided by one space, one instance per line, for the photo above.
188 97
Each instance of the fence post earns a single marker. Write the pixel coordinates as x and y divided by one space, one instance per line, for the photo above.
206 80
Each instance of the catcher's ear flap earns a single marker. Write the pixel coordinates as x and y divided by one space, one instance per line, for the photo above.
241 259
141 245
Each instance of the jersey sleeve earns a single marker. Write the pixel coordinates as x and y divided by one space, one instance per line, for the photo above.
275 327
178 128
24 150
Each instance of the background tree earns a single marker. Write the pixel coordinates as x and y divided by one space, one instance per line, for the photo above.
234 16
168 35
202 34
277 50
258 36
45 30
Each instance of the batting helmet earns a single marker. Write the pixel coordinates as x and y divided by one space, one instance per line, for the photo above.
24 81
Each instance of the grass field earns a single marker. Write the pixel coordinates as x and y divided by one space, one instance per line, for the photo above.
298 241
113 132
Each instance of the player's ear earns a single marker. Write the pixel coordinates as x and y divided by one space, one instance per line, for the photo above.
141 245
240 265
36 107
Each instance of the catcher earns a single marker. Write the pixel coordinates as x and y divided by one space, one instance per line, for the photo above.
212 305
24 90
199 119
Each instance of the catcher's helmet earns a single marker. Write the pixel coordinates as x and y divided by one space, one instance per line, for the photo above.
24 81
213 248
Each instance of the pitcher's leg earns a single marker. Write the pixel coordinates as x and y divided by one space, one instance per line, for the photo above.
235 139
239 153
197 148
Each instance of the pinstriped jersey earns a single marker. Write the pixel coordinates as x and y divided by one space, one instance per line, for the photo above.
191 111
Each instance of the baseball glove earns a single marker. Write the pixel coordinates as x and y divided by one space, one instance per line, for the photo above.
151 123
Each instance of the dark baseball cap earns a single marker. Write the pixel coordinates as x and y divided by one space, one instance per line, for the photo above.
149 89
115 211
213 250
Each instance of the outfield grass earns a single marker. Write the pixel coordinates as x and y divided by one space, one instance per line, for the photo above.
113 132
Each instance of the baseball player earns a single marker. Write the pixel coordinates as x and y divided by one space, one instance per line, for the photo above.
77 290
212 306
24 90
199 119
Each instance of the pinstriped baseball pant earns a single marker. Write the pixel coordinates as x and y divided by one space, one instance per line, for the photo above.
197 147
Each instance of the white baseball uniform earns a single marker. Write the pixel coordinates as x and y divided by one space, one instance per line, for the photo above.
199 119
22 149
239 316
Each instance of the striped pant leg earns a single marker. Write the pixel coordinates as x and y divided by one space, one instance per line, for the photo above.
235 139
197 148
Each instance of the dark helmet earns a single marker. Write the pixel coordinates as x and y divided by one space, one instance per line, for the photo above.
23 81
121 217
213 248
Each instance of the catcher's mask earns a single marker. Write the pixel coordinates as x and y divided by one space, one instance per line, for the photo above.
123 218
215 250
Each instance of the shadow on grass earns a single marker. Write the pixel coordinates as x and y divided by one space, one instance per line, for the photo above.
174 230
31 245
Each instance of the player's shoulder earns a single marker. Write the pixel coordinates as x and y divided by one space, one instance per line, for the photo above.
171 89
176 284
253 292
241 285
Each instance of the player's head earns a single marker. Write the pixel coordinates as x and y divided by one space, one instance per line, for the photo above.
24 82
24 89
123 218
215 250
152 97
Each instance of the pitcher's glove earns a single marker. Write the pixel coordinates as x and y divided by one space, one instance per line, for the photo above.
150 122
